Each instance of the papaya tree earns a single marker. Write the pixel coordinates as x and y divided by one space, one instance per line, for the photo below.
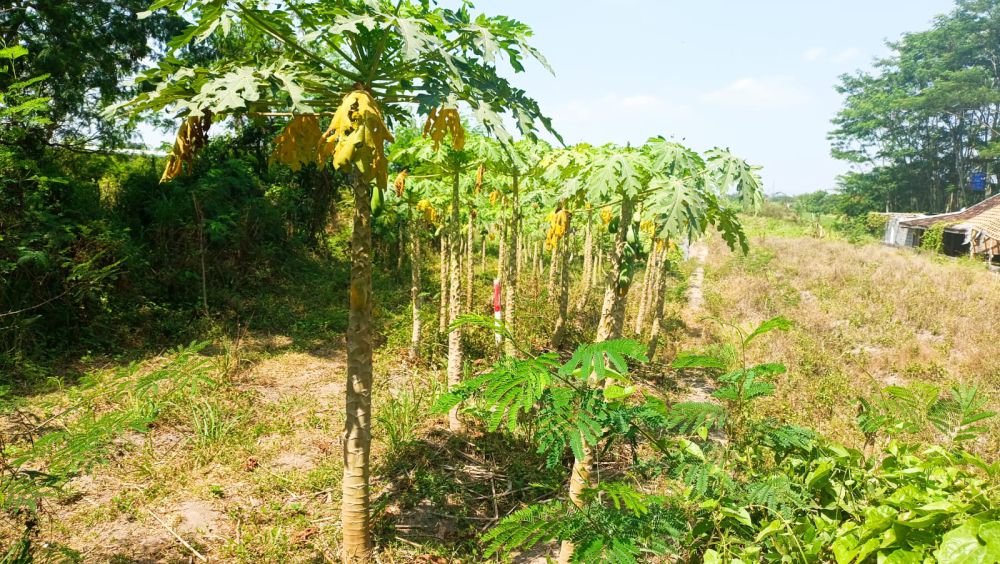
421 217
559 240
361 64
446 163
520 164
673 183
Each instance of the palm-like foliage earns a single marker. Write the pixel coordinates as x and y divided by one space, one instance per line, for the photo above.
404 53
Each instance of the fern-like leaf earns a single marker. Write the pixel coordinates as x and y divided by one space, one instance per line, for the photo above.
512 387
688 417
527 527
957 417
785 439
569 418
776 493
601 358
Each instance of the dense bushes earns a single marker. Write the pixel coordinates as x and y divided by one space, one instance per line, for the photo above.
718 481
97 256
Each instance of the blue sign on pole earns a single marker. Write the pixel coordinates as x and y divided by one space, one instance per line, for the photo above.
978 182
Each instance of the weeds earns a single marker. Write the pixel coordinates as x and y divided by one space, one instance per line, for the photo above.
210 423
765 490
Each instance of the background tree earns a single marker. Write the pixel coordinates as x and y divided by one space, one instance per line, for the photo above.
926 118
683 190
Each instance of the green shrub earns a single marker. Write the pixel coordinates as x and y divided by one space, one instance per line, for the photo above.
738 486
933 238
875 223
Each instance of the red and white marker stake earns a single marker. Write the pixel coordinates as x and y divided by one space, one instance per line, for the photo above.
497 308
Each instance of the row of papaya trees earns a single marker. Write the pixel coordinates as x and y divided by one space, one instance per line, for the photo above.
346 79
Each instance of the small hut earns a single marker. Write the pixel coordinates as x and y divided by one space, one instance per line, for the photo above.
957 229
984 234
896 235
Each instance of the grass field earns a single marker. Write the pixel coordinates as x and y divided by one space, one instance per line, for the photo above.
865 316
248 468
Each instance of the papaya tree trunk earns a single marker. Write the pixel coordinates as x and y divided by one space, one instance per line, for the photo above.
356 501
469 265
400 252
455 304
658 301
550 287
559 331
415 287
617 281
520 256
662 266
483 268
445 285
534 258
588 263
598 264
510 275
539 260
610 327
648 284
502 254
579 481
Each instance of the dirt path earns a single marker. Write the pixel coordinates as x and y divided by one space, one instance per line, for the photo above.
217 496
696 388
696 299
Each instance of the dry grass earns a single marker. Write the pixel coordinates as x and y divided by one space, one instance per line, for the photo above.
866 316
250 471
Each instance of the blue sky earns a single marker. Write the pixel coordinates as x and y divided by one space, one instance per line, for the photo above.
756 76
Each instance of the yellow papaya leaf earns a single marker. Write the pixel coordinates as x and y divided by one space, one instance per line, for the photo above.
479 178
357 135
606 215
297 142
442 122
647 227
400 183
191 138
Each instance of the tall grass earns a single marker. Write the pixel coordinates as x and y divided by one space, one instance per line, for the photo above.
866 316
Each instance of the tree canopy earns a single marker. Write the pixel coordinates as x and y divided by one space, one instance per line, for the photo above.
926 118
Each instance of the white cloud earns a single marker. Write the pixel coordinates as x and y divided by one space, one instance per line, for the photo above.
634 104
846 56
824 55
759 93
813 54
622 117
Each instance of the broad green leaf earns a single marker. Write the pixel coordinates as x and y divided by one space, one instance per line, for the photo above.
14 52
771 528
777 323
616 392
740 514
902 556
818 476
966 545
691 448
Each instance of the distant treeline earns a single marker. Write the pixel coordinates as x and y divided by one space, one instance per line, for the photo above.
926 119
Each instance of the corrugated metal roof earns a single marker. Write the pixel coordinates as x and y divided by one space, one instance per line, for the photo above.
955 217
